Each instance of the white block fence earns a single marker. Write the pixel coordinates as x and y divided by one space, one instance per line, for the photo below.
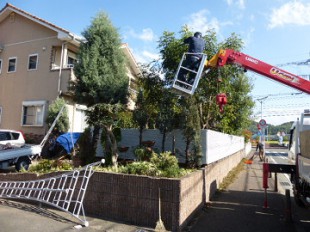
215 145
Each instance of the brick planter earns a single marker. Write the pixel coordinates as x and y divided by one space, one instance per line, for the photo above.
134 199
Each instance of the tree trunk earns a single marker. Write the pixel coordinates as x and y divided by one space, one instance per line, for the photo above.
140 136
173 144
95 136
163 141
111 146
188 141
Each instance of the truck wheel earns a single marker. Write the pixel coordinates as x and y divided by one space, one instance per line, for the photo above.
22 163
297 197
298 200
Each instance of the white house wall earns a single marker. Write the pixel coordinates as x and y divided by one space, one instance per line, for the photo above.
77 120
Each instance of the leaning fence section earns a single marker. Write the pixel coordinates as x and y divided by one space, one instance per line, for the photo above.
65 192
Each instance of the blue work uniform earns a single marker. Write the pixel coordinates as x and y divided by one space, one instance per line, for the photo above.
196 45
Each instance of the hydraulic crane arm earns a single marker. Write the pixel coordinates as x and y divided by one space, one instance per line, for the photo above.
229 56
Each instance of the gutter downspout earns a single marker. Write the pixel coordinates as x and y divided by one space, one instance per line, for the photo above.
60 70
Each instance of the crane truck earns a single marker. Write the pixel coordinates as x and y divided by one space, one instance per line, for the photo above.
300 171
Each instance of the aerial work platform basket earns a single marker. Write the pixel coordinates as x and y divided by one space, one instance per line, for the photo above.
188 73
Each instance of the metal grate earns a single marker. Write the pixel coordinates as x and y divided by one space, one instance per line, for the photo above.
285 183
65 192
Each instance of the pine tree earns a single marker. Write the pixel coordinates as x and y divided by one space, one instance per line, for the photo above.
101 76
101 68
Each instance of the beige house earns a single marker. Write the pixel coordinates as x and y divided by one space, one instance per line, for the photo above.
36 66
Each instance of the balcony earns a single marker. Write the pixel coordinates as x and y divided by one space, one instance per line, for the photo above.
66 77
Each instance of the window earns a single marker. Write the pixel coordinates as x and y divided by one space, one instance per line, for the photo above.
71 59
33 113
32 62
12 64
0 66
5 135
71 62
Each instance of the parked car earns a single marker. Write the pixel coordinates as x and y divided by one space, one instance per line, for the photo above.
11 138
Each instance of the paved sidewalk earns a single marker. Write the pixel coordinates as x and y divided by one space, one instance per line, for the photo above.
242 207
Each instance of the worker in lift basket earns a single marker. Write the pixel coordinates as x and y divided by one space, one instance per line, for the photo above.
196 44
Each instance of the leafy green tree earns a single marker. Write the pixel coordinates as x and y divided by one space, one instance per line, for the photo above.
149 95
172 50
140 114
191 131
101 74
166 118
62 124
155 104
126 120
229 79
204 113
237 86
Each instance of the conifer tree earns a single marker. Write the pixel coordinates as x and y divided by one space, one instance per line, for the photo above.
101 75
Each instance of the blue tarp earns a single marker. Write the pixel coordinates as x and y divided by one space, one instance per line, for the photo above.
68 140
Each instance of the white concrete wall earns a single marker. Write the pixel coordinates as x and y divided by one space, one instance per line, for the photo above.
248 148
215 145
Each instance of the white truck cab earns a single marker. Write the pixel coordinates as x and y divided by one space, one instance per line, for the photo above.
302 124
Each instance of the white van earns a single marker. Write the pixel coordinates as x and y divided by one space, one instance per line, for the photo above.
11 138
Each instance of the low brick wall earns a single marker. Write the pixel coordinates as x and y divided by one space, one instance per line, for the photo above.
135 199
199 187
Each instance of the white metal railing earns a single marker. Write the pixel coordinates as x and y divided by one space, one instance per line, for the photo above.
65 192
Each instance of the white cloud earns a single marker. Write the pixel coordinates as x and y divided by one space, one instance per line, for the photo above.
147 34
150 55
293 12
145 56
198 22
248 36
239 3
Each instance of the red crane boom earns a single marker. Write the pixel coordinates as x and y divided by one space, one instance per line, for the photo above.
229 56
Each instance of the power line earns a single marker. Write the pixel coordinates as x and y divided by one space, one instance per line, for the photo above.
286 106
304 62
276 115
280 112
277 95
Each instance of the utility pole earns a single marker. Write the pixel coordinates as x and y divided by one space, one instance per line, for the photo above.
262 138
261 105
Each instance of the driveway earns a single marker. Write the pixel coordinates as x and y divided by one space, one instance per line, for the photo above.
21 216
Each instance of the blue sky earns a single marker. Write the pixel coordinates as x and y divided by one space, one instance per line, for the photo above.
274 31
